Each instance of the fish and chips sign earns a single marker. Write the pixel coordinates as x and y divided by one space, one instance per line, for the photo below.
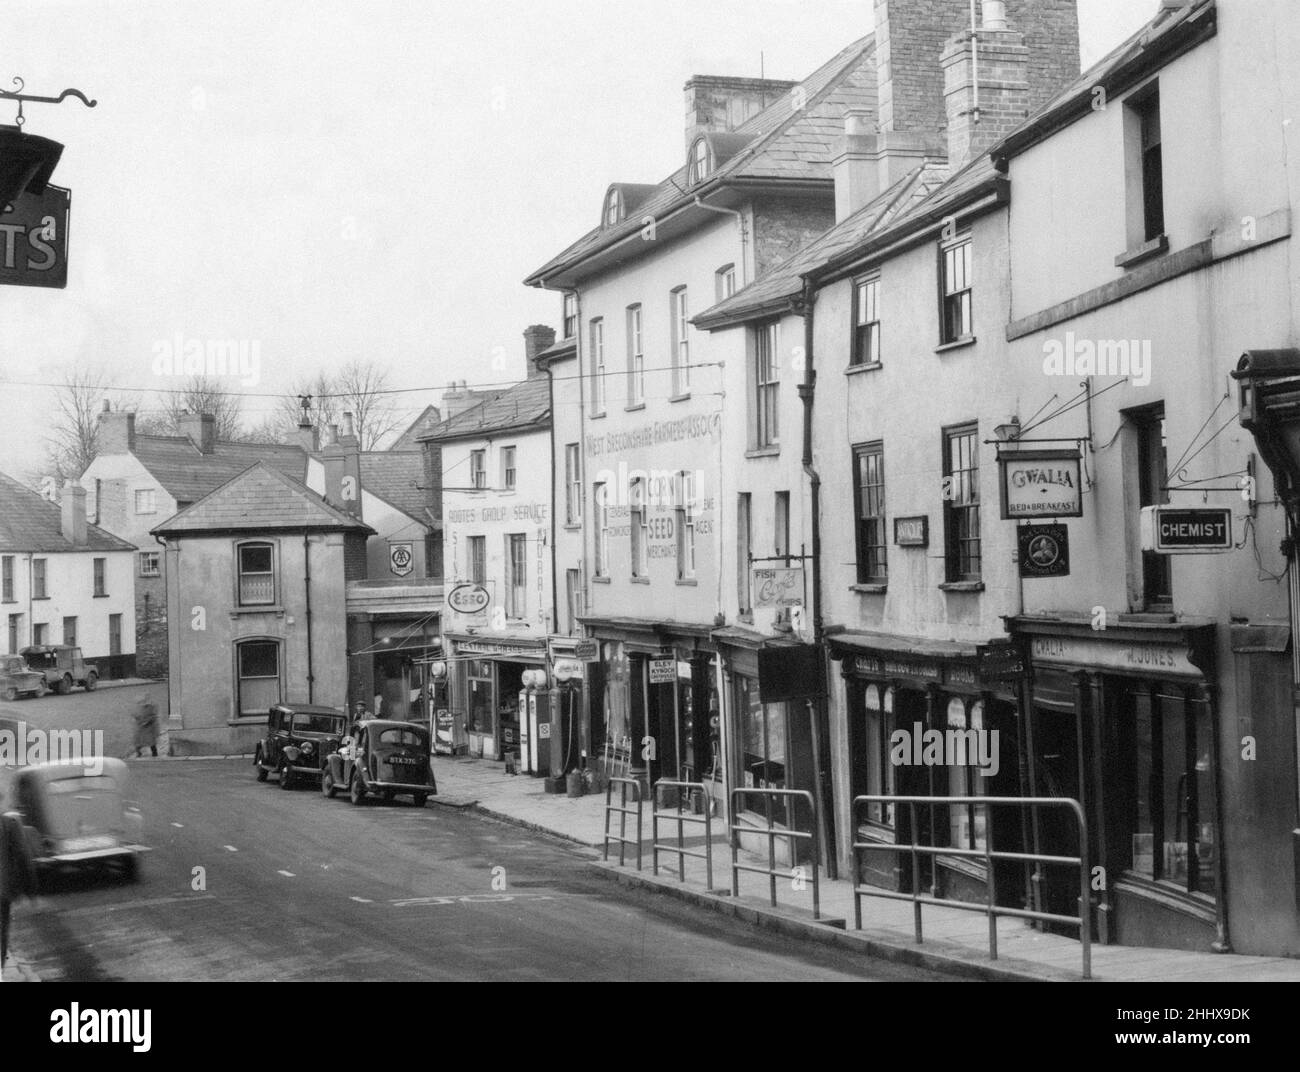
34 240
1040 483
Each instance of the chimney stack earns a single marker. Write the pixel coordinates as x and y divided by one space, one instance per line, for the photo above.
116 432
342 465
307 434
537 339
201 430
998 63
74 513
855 164
716 104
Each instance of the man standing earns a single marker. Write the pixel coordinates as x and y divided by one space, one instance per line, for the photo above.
17 874
146 726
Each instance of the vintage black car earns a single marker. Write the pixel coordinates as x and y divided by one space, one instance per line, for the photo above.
298 739
19 679
383 758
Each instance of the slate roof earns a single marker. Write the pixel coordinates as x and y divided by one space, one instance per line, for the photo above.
261 499
395 476
525 405
774 291
786 142
31 523
428 417
188 474
1163 36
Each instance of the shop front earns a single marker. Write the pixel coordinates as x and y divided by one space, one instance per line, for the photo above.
388 663
1125 721
931 718
488 680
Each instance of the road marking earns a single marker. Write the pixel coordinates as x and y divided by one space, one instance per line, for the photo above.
179 826
126 905
361 900
474 898
230 848
286 874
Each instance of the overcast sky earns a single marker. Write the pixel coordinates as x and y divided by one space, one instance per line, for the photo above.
332 180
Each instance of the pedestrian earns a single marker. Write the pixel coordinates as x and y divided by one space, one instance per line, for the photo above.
146 726
17 874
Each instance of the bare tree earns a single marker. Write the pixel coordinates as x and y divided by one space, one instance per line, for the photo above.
73 441
361 392
203 394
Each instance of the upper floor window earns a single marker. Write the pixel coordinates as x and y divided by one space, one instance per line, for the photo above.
99 565
600 502
597 367
725 280
38 579
635 357
781 525
681 357
685 526
767 377
508 471
1152 479
866 321
869 493
744 548
701 162
961 504
478 468
1146 207
639 525
572 485
516 575
956 272
7 578
570 317
614 207
146 501
149 564
256 574
476 548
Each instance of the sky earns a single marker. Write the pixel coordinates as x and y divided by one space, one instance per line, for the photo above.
324 181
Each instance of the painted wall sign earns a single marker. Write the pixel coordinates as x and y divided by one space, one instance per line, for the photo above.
1154 659
502 648
696 426
912 531
468 598
1044 550
663 671
1040 483
400 557
34 240
1198 530
781 587
1002 661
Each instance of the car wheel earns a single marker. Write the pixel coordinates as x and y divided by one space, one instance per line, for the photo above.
65 685
131 868
91 681
287 777
419 799
262 772
357 791
10 693
327 786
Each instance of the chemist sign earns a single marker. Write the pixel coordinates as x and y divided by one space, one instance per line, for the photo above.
1196 530
1040 483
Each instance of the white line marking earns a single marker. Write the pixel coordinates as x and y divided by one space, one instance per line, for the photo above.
286 874
179 826
230 848
361 900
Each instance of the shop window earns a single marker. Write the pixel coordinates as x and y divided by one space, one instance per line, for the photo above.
257 664
480 713
1173 832
762 736
878 721
967 823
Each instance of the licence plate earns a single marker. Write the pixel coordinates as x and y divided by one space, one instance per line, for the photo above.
86 844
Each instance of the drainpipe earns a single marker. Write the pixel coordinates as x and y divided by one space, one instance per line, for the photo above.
555 580
744 234
817 709
306 585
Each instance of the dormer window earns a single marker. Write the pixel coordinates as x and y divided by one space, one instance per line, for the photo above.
614 207
701 162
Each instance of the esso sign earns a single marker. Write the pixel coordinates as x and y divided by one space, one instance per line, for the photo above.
468 598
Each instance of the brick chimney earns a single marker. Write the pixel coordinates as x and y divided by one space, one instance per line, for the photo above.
342 465
537 338
999 62
74 513
201 430
116 432
717 104
306 437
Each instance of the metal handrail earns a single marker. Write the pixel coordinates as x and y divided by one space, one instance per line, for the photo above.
772 833
1083 921
680 817
624 811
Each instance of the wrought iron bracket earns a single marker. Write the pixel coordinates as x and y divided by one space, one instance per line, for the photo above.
22 98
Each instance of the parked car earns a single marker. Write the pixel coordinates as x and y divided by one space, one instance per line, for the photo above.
19 679
75 813
62 666
383 757
298 739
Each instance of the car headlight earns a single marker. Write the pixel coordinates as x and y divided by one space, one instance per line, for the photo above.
307 748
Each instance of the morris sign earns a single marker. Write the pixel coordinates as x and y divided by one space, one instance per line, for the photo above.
1040 483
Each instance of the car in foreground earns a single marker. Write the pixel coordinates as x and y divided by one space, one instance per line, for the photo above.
75 813
19 679
299 738
62 666
384 758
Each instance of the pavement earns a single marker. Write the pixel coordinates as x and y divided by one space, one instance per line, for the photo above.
955 940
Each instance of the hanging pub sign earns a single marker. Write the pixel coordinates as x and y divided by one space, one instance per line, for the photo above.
34 240
1044 550
1196 530
1040 483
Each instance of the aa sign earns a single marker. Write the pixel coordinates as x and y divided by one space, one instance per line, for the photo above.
400 556
34 240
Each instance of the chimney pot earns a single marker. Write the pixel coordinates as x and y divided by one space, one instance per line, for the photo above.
73 507
995 14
